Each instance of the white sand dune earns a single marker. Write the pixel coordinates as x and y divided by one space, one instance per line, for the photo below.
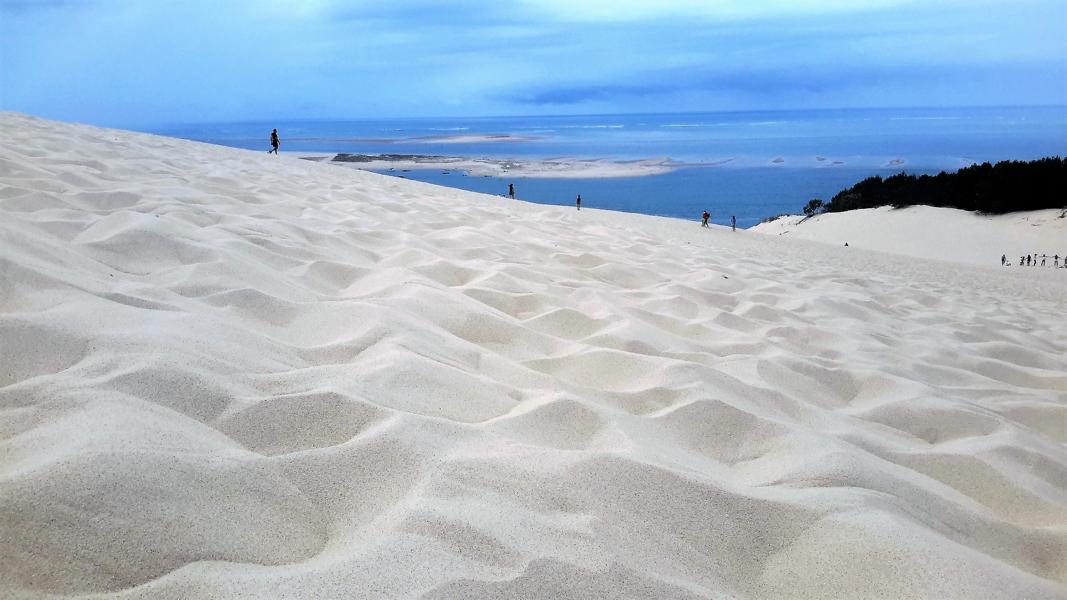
228 374
939 233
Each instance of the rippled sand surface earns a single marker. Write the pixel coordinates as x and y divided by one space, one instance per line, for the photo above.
228 374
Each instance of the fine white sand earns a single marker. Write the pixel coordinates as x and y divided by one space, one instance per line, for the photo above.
938 233
228 374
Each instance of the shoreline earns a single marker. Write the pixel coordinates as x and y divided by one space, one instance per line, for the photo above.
583 168
1035 229
550 168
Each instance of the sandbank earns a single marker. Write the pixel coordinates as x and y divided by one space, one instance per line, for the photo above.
558 168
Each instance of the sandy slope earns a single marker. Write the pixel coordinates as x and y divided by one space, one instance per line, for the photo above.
224 373
938 233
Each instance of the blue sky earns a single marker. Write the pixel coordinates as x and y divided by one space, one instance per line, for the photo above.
146 62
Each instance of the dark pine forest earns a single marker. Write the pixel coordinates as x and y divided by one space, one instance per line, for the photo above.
1007 186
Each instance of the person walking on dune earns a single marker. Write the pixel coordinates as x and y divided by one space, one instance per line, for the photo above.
1003 259
578 202
733 222
511 190
704 218
273 142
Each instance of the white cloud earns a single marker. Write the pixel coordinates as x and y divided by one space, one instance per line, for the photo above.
211 60
637 10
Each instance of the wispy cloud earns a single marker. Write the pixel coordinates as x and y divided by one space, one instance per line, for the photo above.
117 60
705 10
13 6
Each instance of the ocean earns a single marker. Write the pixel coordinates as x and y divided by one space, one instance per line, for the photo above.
759 164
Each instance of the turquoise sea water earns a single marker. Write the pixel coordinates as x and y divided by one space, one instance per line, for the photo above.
766 163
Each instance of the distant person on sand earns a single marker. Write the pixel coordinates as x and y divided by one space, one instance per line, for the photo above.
1043 257
704 219
511 190
1003 259
733 222
578 202
273 142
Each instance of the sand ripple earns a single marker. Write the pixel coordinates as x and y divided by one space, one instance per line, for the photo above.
225 373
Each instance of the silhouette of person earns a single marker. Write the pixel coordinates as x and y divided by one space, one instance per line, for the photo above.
511 190
704 219
1022 259
1003 259
733 222
1043 257
1028 260
273 142
1056 261
578 202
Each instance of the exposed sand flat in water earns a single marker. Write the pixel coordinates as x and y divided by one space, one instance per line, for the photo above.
224 373
551 168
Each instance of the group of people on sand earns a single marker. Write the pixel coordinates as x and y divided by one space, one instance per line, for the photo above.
1030 260
706 215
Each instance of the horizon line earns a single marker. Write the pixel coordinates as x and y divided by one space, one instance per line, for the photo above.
607 114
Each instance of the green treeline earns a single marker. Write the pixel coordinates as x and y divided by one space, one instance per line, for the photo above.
1007 186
